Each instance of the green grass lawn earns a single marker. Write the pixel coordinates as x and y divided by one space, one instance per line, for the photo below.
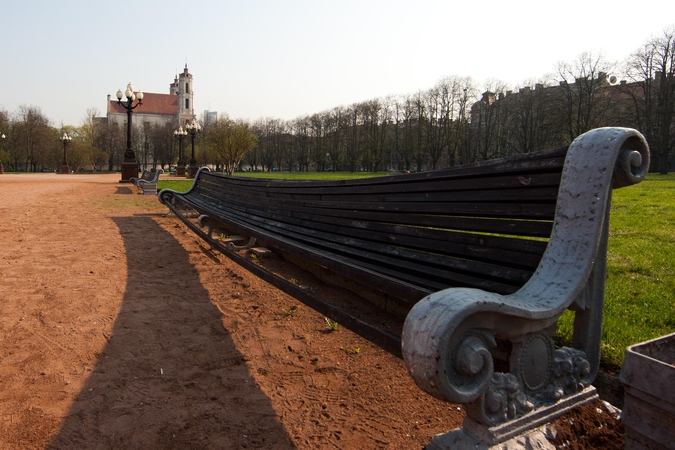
640 291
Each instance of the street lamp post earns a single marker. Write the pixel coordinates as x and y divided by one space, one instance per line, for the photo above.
193 128
180 134
65 139
2 140
129 164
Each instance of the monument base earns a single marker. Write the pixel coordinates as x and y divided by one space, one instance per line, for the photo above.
129 170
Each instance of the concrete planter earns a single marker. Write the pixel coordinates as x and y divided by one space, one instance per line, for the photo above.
648 376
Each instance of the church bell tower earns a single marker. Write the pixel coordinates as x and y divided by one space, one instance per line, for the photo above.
182 87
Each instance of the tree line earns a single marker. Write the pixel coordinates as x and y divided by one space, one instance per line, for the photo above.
454 122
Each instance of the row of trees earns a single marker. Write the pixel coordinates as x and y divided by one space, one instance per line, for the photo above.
426 129
456 121
31 144
586 96
452 123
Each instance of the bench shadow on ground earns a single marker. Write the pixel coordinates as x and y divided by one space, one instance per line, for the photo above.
123 190
170 375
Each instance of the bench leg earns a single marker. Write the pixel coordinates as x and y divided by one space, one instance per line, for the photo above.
249 244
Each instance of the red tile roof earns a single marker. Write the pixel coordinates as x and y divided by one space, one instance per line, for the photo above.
152 104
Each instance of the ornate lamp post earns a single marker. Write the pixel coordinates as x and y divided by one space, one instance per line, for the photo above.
129 164
65 139
2 140
180 134
193 128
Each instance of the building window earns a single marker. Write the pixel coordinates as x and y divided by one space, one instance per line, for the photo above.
187 103
187 88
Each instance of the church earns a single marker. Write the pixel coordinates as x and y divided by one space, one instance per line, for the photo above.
175 108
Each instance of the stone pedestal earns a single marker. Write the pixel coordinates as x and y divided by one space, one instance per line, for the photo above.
192 170
65 169
129 170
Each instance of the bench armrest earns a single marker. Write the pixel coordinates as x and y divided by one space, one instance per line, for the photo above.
451 337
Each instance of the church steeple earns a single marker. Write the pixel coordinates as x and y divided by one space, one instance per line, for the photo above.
182 87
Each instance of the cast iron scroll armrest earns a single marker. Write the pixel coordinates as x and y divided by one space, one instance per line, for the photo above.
166 196
142 181
451 337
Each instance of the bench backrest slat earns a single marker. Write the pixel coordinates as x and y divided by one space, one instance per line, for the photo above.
484 225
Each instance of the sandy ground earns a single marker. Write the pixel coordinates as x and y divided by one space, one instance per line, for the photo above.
119 329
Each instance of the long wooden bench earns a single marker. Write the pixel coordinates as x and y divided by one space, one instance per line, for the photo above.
481 258
148 181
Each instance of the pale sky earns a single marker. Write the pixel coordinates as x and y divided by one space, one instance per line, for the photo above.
284 59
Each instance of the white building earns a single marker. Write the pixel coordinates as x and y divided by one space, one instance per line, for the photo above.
175 108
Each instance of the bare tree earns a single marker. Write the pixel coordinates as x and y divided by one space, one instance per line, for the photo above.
335 131
32 135
110 139
89 126
488 120
419 149
530 124
318 154
376 117
652 70
404 118
581 103
353 128
270 133
5 127
301 147
463 94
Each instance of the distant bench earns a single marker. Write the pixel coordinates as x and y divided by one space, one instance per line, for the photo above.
482 259
147 182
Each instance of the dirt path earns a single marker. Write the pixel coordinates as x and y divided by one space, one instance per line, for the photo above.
118 329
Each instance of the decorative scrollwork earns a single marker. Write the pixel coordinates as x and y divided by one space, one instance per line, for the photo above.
571 371
165 196
504 400
631 167
471 365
